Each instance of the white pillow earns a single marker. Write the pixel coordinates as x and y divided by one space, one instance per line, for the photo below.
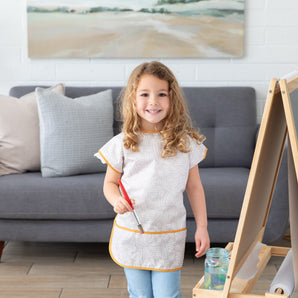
71 130
19 133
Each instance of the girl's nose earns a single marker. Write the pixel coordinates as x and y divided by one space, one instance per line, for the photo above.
153 99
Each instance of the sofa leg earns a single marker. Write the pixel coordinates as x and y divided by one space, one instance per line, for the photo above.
2 244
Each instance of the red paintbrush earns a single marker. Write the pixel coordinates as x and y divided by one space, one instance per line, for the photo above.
126 197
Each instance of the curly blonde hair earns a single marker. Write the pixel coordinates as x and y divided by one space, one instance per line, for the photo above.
177 126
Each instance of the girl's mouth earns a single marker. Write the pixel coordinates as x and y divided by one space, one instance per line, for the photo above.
153 111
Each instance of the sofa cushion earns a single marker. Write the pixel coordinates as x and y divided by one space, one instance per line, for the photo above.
71 130
19 133
227 117
224 192
31 196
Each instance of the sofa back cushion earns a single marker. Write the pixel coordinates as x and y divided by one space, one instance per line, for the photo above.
225 115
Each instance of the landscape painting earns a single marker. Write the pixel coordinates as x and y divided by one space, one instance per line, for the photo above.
135 28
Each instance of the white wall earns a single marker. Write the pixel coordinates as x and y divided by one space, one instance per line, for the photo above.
271 51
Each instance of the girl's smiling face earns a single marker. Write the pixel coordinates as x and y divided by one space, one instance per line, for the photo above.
152 102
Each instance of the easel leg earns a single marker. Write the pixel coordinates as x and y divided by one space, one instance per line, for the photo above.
293 205
2 244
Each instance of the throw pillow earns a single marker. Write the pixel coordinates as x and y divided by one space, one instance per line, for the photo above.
71 130
19 133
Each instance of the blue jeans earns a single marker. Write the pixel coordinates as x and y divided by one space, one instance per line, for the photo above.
149 284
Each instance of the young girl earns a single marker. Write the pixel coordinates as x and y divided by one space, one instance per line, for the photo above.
156 158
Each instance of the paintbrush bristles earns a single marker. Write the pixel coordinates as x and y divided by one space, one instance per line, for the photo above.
141 229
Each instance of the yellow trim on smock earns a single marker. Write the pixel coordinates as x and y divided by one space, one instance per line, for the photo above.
108 162
205 154
151 233
149 131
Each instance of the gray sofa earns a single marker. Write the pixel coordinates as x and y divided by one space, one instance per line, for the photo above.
73 208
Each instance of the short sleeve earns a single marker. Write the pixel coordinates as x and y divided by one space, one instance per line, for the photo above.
197 153
112 153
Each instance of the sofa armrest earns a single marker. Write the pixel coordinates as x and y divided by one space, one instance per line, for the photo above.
278 219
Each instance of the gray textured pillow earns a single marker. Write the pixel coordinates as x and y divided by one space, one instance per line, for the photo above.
71 130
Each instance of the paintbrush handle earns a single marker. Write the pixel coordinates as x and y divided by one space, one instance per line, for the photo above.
126 197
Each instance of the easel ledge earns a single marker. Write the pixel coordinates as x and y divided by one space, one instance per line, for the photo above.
241 288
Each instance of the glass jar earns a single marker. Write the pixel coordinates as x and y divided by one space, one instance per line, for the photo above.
216 268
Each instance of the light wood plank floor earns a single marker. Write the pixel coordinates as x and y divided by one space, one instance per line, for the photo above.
82 270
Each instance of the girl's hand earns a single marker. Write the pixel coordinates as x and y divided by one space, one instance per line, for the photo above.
202 242
121 206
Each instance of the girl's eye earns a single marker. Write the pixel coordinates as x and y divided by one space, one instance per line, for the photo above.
144 94
163 94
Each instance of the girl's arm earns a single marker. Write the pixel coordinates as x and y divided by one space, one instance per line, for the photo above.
197 201
112 192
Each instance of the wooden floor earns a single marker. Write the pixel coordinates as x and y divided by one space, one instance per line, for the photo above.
69 270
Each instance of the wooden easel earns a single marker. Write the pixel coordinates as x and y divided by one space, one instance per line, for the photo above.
277 121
